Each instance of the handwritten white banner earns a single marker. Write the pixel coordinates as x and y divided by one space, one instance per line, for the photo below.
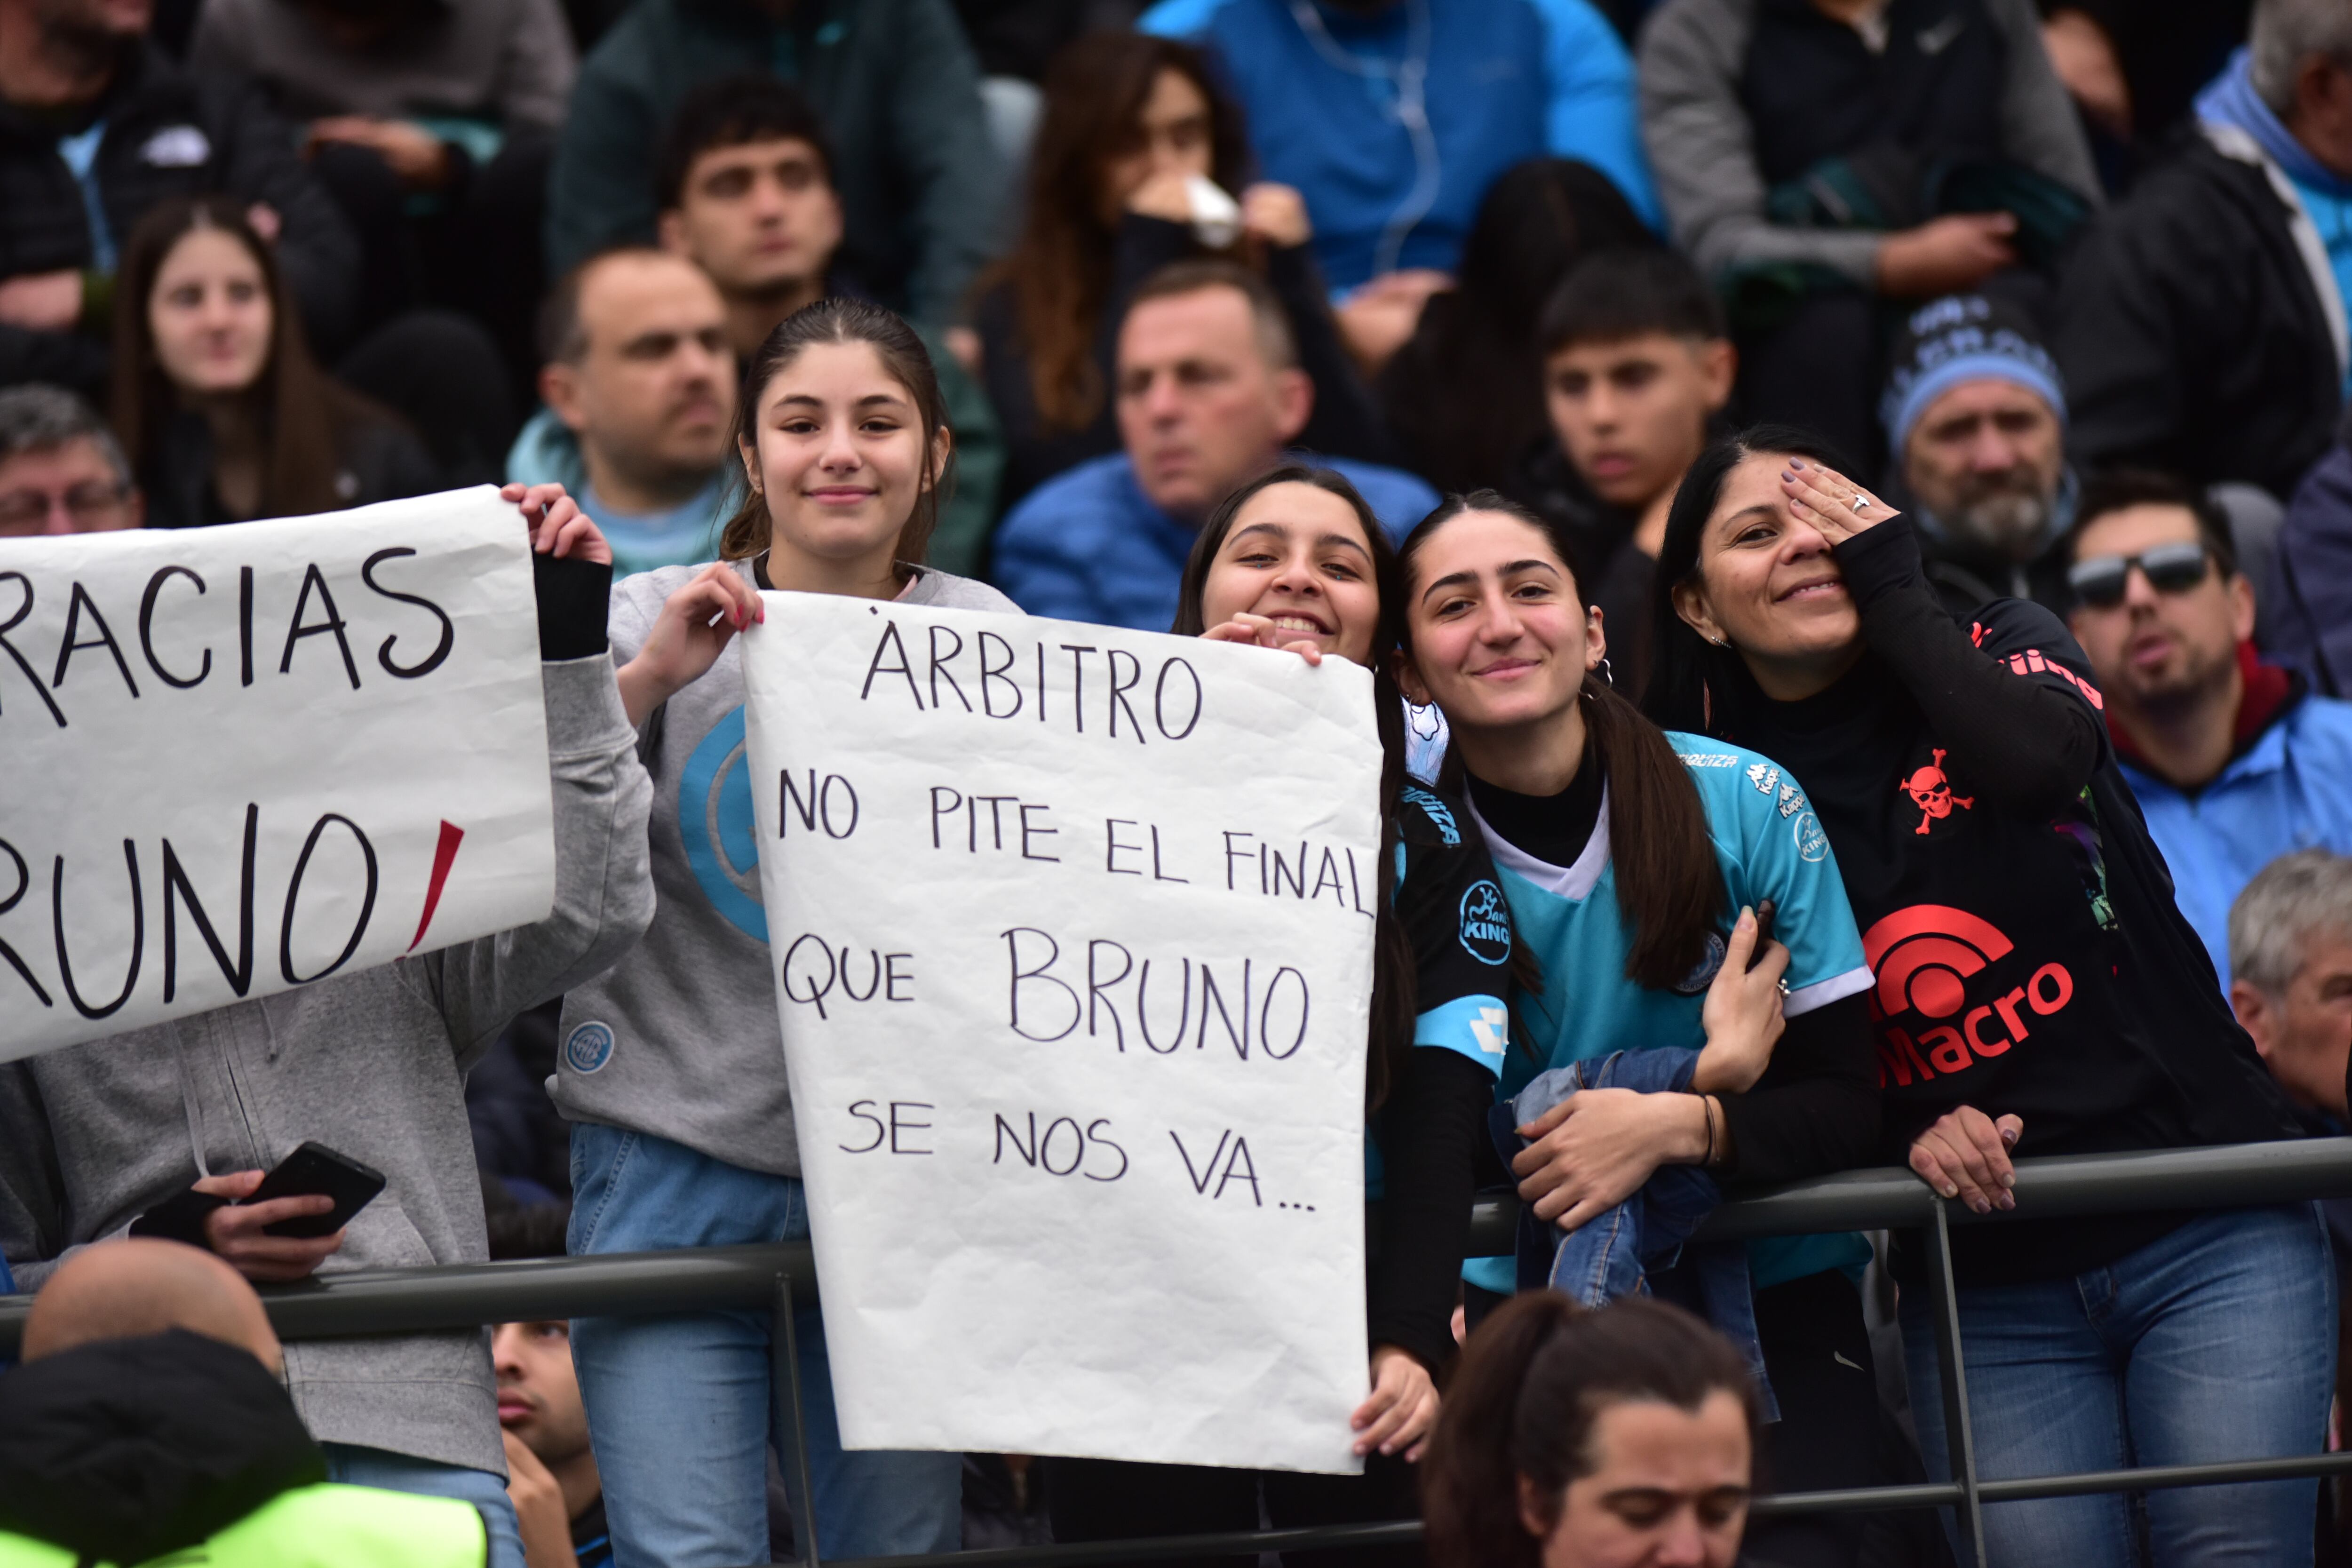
238 760
1073 934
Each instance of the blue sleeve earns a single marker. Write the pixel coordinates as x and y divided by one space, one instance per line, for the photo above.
1180 18
1459 930
1038 568
1590 110
1785 856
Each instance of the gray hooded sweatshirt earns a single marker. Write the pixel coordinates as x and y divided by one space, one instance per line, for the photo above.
680 1038
370 1064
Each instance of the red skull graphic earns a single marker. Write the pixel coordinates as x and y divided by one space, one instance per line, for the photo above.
1931 791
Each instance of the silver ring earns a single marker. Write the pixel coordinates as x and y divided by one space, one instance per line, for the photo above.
1784 987
1861 503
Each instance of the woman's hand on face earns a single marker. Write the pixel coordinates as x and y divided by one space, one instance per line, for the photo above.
1401 1409
694 627
1743 1016
1595 1150
558 527
1276 214
1259 631
1965 1155
1826 498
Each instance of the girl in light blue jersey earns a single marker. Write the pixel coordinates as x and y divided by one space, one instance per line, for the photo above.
1632 859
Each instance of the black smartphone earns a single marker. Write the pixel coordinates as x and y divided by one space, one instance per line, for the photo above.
1765 910
316 1168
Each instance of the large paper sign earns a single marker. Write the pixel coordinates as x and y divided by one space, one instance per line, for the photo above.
238 760
1073 939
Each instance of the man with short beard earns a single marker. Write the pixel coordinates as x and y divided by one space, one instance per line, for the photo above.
2234 762
1976 426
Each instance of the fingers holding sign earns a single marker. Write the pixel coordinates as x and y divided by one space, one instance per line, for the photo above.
1259 631
1401 1408
694 627
558 527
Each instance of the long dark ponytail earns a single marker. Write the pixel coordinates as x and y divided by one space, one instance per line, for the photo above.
1670 890
1691 679
1392 962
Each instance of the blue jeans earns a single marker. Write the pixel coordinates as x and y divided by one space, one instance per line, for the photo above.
2216 1341
350 1465
681 1410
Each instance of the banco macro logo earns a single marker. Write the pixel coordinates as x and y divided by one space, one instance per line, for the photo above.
1486 923
714 819
1932 963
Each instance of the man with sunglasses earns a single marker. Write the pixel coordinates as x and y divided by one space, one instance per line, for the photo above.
2234 761
60 469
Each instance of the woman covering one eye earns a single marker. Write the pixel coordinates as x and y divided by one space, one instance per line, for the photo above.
1631 860
2037 992
1295 561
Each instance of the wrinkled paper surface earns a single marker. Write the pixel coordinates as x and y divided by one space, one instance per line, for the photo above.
362 686
1051 1215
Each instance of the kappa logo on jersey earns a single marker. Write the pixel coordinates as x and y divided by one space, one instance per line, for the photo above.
588 1047
1437 811
1764 776
1931 791
1492 1030
1932 962
1792 800
1486 923
714 818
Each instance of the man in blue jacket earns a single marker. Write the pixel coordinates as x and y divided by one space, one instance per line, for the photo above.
2234 761
1209 394
1393 117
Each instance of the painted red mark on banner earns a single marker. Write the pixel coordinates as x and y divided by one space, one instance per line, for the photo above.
442 853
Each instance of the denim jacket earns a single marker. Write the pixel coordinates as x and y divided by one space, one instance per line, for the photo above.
1613 1254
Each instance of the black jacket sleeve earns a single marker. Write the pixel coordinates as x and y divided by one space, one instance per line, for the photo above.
2031 746
1347 420
1815 1109
1434 1121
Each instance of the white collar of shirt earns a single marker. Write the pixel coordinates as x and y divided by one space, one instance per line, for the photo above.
1575 881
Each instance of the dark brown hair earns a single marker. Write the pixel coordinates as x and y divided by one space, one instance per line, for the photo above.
1269 322
2119 489
1533 1380
1393 965
1059 269
1670 888
1692 681
303 411
903 359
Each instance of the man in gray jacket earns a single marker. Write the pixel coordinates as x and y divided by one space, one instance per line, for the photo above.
100 1138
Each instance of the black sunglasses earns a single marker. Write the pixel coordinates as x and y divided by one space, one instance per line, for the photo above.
2170 569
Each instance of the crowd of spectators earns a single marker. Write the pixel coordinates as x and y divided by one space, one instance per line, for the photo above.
2022 326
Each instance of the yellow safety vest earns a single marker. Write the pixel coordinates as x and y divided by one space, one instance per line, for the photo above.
321 1526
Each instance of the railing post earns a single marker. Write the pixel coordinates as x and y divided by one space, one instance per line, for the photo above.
1959 1442
784 1343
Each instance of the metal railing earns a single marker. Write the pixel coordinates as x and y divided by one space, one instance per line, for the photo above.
775 1279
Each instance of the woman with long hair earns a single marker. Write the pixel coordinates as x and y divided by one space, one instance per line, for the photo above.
1134 157
1633 859
2036 992
224 414
672 1067
1592 1439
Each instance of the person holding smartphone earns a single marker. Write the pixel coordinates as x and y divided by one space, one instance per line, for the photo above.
162 1130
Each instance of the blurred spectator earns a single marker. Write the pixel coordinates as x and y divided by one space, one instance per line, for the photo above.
2232 761
2310 578
2202 323
60 469
1131 123
1637 367
640 392
521 1144
2132 65
224 414
551 1468
1464 390
744 185
1574 1438
148 1422
1817 155
1393 117
97 126
1974 417
163 1130
1209 393
2291 959
1015 40
432 123
898 89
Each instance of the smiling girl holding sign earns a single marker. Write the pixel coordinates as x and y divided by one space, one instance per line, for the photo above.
1295 561
1633 859
673 1062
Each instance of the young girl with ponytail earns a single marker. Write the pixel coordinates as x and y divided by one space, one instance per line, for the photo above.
672 1066
1633 860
